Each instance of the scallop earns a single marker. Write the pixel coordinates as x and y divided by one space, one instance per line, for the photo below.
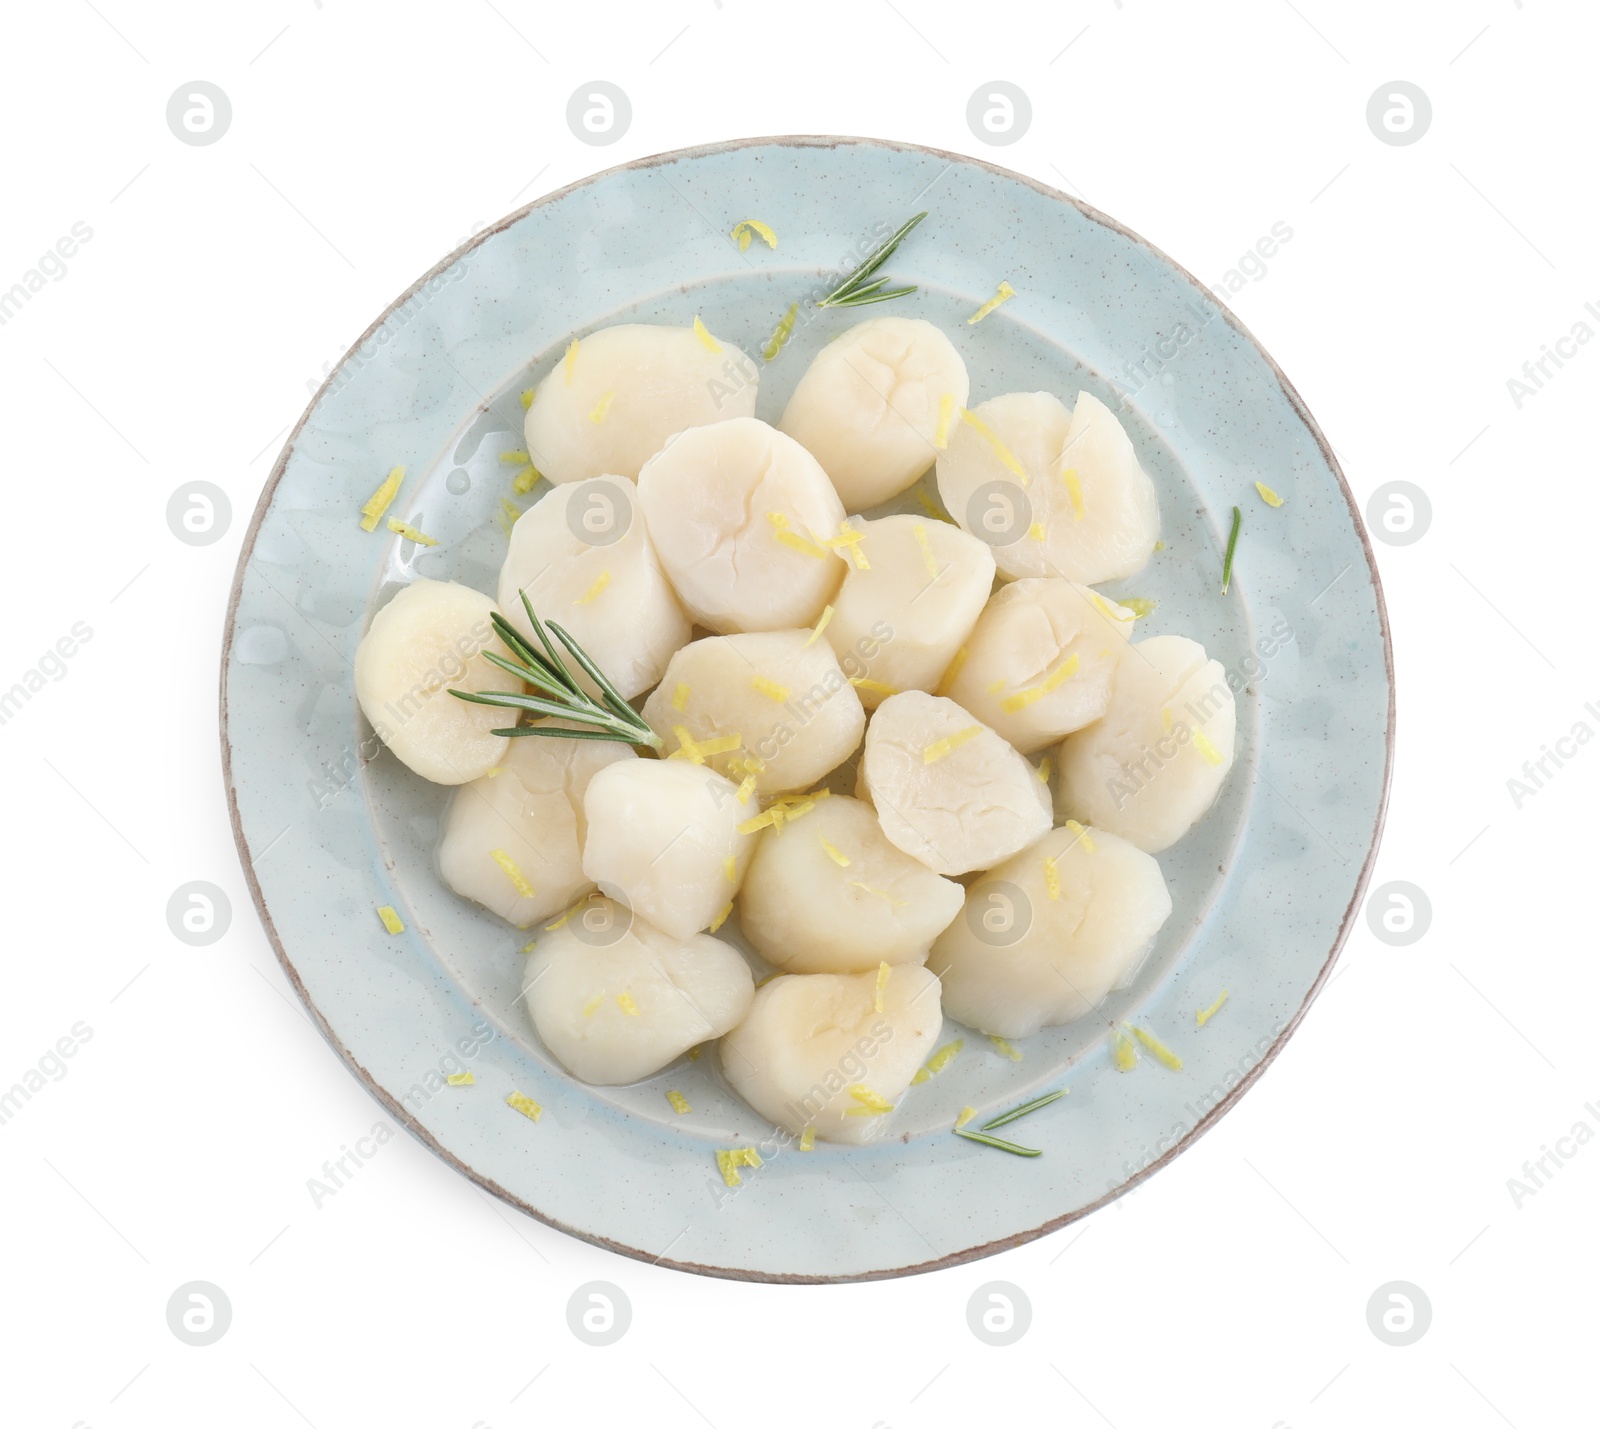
1085 509
830 894
1039 662
868 408
780 693
616 999
663 839
1048 933
816 1050
948 790
740 514
912 594
616 396
1153 764
421 645
582 554
513 840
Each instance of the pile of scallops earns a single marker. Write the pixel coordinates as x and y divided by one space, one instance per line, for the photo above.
913 762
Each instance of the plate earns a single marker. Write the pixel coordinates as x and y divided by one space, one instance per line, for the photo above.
330 827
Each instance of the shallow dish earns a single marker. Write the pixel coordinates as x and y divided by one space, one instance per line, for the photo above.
330 827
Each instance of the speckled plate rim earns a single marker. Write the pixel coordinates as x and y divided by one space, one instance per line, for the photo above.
970 1253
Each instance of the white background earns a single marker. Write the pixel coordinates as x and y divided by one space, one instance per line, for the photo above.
366 141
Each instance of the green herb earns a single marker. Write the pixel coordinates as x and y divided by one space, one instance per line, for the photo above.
615 719
1024 1109
856 291
1227 560
996 1142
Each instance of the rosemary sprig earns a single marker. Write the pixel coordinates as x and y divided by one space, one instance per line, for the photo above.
1024 1109
856 291
615 719
1233 541
995 1141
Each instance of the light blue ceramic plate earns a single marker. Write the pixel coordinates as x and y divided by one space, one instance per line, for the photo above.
330 827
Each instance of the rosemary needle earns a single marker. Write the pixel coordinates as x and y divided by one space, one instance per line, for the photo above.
562 697
1024 1109
995 1141
1233 541
856 291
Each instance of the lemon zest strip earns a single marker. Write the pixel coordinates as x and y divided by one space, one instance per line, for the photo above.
1004 292
391 919
381 499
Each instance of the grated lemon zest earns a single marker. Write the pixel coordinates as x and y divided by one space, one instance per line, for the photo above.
679 1103
1124 1054
1080 835
730 869
721 917
1052 880
1268 495
593 1005
527 398
629 1007
1208 751
729 1168
1004 292
967 1113
819 627
529 946
947 409
722 744
1036 531
601 581
1074 487
771 818
462 1079
526 479
391 919
1138 605
791 812
1159 546
953 669
850 538
868 1102
570 360
560 922
694 1053
701 332
1043 770
994 687
687 748
808 1138
747 787
921 533
878 892
748 1156
1159 1049
400 528
1106 608
1207 1013
516 458
680 696
782 533
1000 449
526 1105
861 682
770 688
926 503
878 987
838 855
933 753
939 1061
805 798
511 871
782 333
1166 719
1005 1049
746 226
382 499
597 413
1053 681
